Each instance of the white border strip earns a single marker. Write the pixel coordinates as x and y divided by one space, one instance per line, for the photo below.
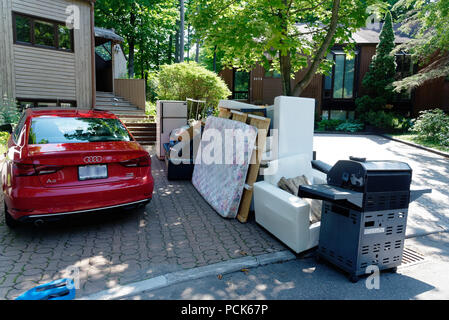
191 274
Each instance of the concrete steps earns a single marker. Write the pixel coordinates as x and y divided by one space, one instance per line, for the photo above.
109 102
134 118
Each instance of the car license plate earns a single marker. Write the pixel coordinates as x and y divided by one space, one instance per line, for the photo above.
99 171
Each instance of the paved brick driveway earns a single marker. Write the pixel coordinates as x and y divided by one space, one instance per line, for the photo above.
177 230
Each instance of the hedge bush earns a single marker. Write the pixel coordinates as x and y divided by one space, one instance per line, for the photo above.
190 80
387 121
432 125
328 124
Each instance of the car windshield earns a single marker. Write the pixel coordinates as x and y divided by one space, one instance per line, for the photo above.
46 130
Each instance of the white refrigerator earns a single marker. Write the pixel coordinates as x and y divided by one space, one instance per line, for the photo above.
169 115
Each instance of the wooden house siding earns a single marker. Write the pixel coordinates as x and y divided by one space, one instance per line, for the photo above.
366 54
271 87
50 9
256 85
433 94
42 74
119 65
313 90
228 77
6 51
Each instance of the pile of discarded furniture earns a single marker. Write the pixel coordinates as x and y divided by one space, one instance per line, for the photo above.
254 158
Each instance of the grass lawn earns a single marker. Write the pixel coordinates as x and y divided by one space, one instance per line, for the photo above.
426 143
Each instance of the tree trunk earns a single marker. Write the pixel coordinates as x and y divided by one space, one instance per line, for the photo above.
215 59
197 53
286 68
157 54
188 42
170 48
181 32
285 60
319 55
131 43
177 43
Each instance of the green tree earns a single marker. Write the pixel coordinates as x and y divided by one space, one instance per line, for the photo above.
284 35
427 21
211 57
380 76
146 26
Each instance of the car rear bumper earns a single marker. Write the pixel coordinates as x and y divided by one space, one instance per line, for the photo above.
62 214
32 203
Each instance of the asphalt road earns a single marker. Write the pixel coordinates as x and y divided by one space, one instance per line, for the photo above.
304 278
430 213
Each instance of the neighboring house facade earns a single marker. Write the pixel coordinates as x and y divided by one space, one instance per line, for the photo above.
335 93
45 63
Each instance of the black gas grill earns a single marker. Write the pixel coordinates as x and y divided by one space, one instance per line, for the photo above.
364 215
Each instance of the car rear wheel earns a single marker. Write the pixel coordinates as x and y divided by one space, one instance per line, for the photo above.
10 221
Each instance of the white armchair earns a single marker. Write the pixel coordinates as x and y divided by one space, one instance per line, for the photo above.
284 215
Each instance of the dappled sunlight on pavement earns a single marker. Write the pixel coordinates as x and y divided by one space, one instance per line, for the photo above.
177 230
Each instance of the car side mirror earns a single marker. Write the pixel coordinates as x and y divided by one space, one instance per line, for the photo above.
6 128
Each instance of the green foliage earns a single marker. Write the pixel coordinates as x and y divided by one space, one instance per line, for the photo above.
150 108
350 126
190 80
206 58
152 84
427 22
388 121
146 24
9 113
328 124
380 76
432 125
4 136
245 31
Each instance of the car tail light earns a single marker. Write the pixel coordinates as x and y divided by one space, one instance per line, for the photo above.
23 170
144 161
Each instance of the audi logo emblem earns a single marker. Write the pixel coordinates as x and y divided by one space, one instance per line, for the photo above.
93 159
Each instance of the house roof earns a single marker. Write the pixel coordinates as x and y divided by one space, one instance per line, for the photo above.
366 35
371 35
108 34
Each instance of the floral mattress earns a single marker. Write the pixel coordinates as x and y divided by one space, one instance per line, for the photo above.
222 163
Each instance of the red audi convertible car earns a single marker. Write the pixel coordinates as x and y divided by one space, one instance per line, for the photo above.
67 161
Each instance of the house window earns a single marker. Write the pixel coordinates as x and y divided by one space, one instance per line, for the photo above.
65 38
339 84
241 85
23 29
404 68
338 114
42 33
